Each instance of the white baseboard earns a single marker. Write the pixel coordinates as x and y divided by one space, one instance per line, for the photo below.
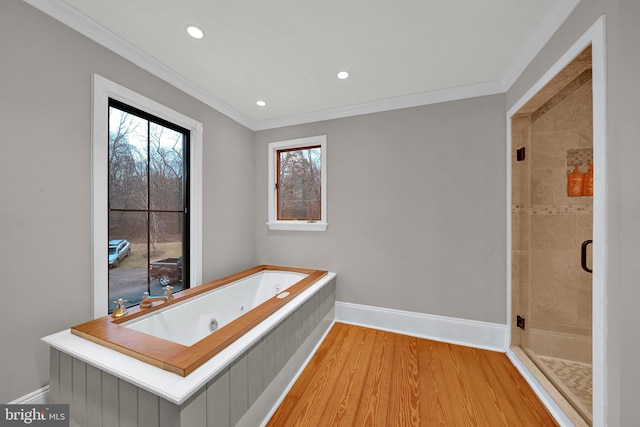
314 342
38 397
547 400
470 333
488 336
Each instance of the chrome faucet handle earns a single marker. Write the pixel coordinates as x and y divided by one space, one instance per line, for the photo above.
120 309
168 293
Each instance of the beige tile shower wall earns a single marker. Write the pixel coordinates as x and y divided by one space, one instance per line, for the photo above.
560 294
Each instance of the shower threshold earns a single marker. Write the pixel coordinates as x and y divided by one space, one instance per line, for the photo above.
573 380
578 410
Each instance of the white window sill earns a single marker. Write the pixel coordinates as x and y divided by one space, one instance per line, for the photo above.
298 226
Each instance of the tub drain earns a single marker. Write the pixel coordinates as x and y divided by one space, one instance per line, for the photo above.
213 325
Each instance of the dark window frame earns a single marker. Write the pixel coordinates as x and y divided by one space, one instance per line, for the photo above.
186 179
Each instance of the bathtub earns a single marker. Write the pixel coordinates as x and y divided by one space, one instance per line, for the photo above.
191 320
182 334
151 362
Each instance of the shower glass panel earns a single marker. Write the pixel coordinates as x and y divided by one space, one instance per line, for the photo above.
551 292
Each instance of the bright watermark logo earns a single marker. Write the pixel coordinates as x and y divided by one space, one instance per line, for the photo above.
34 415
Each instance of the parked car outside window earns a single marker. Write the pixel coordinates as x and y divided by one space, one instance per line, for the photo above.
168 270
118 250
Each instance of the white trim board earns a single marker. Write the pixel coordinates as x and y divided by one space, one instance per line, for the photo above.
596 37
293 379
551 405
37 397
470 333
102 90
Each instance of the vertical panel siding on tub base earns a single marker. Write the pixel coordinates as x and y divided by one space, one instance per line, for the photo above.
242 394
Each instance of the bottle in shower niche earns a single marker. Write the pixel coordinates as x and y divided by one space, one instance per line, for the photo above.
587 189
575 183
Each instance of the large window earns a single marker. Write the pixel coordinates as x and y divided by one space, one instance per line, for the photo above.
147 197
297 184
148 204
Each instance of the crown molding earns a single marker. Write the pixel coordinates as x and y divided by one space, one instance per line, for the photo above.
88 27
555 14
395 103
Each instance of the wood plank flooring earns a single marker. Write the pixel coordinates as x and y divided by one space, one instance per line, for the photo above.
366 377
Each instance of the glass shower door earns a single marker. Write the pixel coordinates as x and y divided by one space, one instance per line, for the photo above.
552 227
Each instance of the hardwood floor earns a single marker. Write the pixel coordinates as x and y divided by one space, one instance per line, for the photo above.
367 377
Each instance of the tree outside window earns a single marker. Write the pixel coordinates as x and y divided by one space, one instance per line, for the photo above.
147 204
298 184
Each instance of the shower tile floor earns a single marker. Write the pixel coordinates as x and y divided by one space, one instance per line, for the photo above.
576 377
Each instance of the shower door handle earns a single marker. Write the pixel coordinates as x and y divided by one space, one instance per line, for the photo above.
583 257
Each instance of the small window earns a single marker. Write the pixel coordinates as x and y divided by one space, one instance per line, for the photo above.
297 184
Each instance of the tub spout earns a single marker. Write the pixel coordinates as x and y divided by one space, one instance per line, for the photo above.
147 301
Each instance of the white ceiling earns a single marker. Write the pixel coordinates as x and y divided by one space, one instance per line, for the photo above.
287 52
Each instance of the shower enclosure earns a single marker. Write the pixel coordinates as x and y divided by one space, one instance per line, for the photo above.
551 284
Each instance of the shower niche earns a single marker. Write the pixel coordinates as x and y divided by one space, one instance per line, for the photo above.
551 291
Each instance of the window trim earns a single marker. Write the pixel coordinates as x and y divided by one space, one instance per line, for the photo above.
297 225
102 90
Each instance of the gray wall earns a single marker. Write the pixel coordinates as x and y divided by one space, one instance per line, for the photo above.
416 209
45 184
623 175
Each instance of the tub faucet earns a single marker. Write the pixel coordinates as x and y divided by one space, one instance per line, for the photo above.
120 309
147 301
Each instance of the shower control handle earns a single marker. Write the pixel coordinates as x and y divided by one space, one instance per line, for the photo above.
583 257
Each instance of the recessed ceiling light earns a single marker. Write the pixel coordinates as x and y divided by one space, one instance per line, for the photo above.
343 75
195 32
261 103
